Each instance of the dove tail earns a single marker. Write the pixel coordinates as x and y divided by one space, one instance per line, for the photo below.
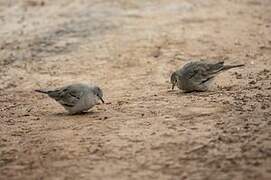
226 67
41 91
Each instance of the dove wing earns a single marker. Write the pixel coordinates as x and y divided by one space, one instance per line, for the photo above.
201 72
67 96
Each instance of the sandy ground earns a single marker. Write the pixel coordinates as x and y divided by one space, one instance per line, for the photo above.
130 48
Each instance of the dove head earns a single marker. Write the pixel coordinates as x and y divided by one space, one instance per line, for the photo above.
173 79
98 92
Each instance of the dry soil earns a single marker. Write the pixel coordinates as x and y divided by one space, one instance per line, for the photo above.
145 130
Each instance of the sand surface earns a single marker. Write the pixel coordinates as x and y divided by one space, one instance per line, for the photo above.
129 49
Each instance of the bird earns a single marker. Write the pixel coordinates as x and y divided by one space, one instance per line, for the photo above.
76 98
197 75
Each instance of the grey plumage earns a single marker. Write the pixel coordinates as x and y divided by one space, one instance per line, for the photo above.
76 98
195 76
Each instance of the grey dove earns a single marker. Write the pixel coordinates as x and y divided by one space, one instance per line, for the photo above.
76 98
197 75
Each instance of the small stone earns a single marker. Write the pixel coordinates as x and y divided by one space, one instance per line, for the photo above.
252 82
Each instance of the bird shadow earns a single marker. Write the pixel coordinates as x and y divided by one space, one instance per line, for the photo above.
64 114
194 93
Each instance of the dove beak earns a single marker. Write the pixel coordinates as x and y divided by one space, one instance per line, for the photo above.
101 99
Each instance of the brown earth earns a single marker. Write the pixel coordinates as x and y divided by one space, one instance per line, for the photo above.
129 48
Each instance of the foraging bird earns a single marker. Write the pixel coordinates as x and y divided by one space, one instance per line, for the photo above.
76 98
196 76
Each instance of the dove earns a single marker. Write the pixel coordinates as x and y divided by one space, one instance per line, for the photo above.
197 75
76 98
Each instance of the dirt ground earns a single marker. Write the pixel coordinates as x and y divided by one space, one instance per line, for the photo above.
129 49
